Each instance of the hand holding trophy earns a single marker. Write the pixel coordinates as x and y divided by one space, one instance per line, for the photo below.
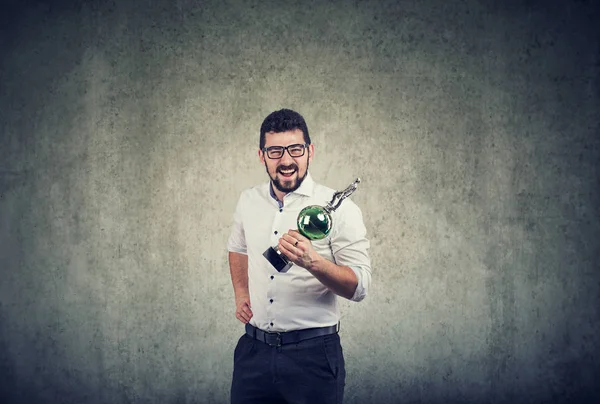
314 222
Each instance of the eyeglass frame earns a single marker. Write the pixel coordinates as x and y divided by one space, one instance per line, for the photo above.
286 148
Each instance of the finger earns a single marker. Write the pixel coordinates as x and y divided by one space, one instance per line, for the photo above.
243 317
245 307
287 244
246 310
291 247
286 250
296 247
290 239
297 235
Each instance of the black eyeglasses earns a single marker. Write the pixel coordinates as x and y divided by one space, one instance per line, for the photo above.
276 152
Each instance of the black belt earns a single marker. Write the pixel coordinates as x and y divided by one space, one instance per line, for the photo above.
289 337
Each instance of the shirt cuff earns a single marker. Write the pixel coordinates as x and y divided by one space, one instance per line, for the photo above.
235 249
364 280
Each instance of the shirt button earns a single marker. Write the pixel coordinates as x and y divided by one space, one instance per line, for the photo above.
272 277
271 324
275 231
271 300
280 210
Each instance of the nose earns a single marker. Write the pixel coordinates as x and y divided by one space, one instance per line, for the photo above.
286 159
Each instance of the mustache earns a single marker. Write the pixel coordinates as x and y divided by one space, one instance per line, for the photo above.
291 166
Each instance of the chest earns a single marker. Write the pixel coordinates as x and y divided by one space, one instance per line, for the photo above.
267 223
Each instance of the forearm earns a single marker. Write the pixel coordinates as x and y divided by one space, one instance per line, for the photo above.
238 267
341 280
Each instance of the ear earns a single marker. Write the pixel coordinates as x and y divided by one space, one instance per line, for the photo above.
311 152
261 156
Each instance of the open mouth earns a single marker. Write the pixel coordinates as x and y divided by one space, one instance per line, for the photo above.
287 172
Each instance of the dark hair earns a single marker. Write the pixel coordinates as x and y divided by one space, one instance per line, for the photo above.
283 121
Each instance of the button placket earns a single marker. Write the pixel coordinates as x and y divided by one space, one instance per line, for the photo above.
270 295
276 229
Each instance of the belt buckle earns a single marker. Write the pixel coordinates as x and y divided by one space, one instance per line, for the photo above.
278 343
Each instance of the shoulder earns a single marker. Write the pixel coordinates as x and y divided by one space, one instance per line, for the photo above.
323 192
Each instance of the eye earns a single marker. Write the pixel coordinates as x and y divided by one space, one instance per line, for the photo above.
274 151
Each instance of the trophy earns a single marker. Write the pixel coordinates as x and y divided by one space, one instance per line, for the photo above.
314 223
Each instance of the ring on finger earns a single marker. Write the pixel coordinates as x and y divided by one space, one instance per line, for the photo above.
296 243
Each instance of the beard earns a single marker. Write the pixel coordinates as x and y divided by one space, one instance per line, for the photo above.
284 184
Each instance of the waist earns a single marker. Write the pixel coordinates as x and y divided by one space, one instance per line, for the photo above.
289 337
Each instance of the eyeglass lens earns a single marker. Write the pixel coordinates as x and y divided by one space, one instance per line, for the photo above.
295 150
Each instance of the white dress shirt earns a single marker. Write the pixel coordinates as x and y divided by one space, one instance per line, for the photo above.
296 299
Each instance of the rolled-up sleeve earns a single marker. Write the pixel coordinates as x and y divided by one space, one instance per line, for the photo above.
237 238
350 245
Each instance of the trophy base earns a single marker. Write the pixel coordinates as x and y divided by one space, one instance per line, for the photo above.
277 259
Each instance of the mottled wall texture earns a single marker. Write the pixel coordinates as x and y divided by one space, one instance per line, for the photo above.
129 129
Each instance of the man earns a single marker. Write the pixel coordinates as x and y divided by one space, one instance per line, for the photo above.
291 350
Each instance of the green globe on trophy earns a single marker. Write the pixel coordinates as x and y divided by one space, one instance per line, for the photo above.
314 222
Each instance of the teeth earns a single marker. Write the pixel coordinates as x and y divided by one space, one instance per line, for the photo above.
287 171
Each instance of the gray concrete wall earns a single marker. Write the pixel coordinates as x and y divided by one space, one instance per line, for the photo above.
129 129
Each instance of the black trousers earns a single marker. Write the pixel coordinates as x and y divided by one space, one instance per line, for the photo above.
310 372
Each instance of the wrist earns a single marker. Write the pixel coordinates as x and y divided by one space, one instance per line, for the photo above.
317 264
242 295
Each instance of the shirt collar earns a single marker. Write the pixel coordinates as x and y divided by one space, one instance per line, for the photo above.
306 188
